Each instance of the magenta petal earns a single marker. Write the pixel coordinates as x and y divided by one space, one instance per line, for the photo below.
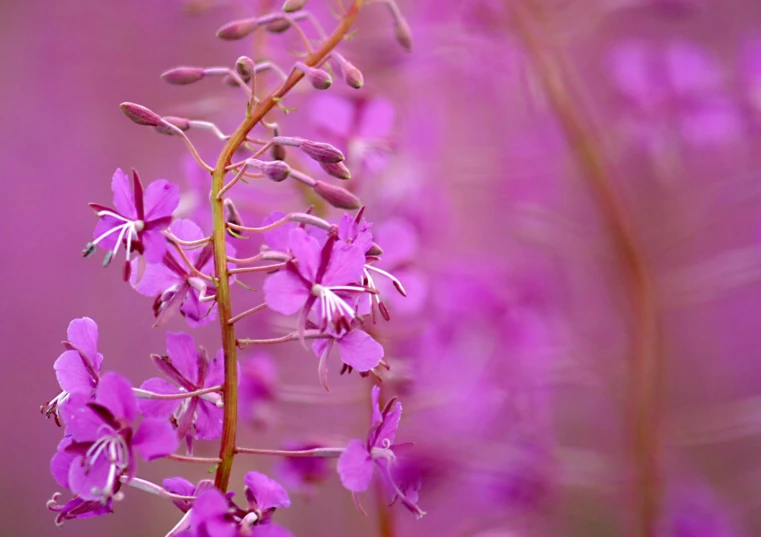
347 262
187 230
155 438
115 393
306 250
72 374
268 492
285 293
156 279
154 245
83 334
197 313
61 462
182 349
631 67
81 422
208 515
355 467
179 485
161 199
277 238
360 351
155 408
387 430
104 224
88 483
208 421
215 374
712 123
124 198
690 68
270 530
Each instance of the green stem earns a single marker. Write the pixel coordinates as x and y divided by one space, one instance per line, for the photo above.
230 393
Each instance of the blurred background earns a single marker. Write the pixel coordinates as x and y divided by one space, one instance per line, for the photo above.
570 191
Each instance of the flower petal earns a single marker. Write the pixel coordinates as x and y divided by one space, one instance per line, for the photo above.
360 351
306 250
270 530
124 198
72 374
157 278
88 482
355 467
208 421
81 422
285 293
115 393
83 334
155 438
161 199
154 245
268 492
156 408
183 352
277 238
347 262
61 462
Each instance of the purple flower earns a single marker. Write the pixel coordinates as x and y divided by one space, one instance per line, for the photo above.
104 439
138 219
358 350
357 463
189 369
302 474
323 273
78 368
215 515
175 286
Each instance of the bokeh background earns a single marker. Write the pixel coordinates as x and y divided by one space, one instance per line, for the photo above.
513 353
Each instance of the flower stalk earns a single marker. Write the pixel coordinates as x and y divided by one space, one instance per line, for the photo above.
237 138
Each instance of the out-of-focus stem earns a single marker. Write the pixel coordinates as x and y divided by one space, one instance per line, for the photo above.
646 368
227 446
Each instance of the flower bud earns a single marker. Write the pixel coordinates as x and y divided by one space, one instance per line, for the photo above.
321 152
294 5
275 170
245 66
338 197
352 76
180 122
239 29
337 170
319 78
403 34
140 114
181 76
278 26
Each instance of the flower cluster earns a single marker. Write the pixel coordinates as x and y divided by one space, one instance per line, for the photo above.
320 268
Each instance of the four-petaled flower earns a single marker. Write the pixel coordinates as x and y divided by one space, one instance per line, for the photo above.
357 463
317 275
100 451
78 368
189 369
137 221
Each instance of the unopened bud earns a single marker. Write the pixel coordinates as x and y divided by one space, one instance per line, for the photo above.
321 152
232 216
278 26
239 29
337 170
140 114
180 122
403 33
181 76
245 66
338 197
319 78
352 76
276 170
294 5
